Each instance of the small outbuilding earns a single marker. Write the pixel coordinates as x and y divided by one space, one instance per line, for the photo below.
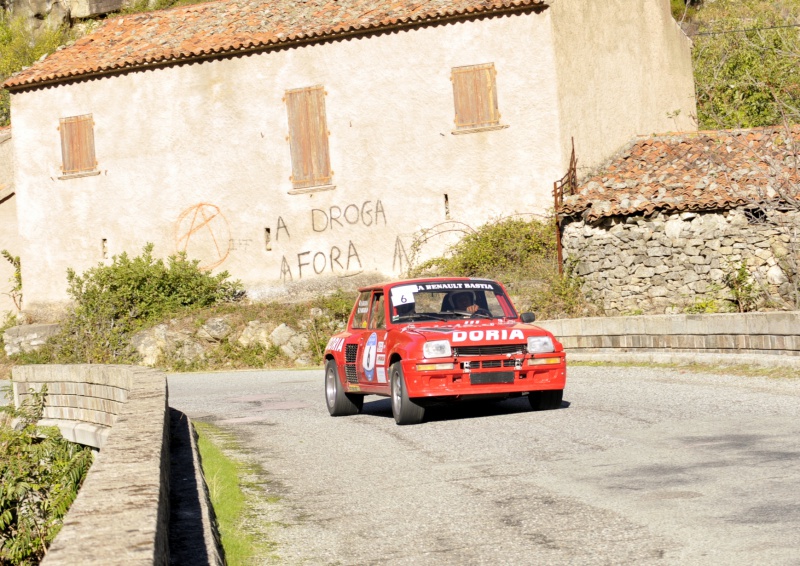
700 222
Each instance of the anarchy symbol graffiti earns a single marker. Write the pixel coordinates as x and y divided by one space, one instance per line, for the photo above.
203 233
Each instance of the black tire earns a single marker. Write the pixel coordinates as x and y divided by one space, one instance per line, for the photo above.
340 404
546 400
405 411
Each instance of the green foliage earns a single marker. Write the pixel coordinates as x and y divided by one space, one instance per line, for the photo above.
138 6
40 474
21 46
749 78
684 9
522 254
16 279
744 290
113 301
703 305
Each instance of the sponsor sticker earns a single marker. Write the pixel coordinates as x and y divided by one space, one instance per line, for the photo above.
335 344
481 335
381 346
381 360
381 374
368 359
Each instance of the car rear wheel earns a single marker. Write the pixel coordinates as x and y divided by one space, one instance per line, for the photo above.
405 411
546 400
340 404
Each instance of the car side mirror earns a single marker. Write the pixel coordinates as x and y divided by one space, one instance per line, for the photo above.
528 317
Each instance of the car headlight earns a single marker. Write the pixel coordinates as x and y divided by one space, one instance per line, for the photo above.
437 349
540 345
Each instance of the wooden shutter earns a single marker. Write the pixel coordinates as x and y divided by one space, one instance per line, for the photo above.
77 144
475 96
308 137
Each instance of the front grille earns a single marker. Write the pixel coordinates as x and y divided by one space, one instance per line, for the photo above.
489 350
350 352
350 373
490 364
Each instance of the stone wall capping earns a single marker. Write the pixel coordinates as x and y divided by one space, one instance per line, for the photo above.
732 334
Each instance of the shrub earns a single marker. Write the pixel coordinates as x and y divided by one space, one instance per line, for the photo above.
522 254
40 474
113 301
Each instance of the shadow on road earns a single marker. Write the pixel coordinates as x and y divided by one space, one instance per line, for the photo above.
382 407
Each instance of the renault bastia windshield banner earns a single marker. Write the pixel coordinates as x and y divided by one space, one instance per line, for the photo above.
405 293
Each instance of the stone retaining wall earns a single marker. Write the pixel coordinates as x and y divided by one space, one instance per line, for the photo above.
749 333
121 513
668 263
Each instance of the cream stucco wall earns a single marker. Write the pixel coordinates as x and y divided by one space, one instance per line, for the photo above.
9 235
642 84
197 156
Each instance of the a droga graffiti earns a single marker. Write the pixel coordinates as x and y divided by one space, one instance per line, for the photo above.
203 233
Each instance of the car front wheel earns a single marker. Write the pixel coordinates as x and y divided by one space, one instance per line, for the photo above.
340 404
546 400
405 411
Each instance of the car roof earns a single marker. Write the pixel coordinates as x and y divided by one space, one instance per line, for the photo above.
388 284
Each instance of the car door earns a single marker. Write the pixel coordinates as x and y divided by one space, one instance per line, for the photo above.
371 362
354 342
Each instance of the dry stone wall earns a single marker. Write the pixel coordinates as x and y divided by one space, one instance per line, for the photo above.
673 263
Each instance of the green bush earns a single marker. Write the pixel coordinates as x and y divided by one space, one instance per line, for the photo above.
750 78
40 474
21 46
522 254
111 302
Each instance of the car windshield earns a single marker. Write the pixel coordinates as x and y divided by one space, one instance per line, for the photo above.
449 300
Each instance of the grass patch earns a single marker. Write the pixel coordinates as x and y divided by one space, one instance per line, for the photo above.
225 479
742 370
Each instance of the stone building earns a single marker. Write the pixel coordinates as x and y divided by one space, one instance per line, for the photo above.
304 143
700 222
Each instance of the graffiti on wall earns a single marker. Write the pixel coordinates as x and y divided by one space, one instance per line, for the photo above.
338 259
203 233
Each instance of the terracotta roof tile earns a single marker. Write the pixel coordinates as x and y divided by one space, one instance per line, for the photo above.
692 172
133 41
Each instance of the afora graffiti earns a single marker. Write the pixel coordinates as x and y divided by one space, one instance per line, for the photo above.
319 262
352 214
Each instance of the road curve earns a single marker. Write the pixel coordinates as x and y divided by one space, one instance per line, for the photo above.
639 466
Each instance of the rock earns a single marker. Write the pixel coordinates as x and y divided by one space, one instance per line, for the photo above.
28 337
282 335
214 330
776 276
256 332
159 341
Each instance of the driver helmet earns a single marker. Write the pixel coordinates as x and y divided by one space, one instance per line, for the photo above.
459 296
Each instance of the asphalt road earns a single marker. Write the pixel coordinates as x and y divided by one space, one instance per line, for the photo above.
640 466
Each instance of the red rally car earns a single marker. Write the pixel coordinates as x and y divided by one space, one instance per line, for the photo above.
427 341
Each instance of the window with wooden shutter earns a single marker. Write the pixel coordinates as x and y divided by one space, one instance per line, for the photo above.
308 137
475 98
77 144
